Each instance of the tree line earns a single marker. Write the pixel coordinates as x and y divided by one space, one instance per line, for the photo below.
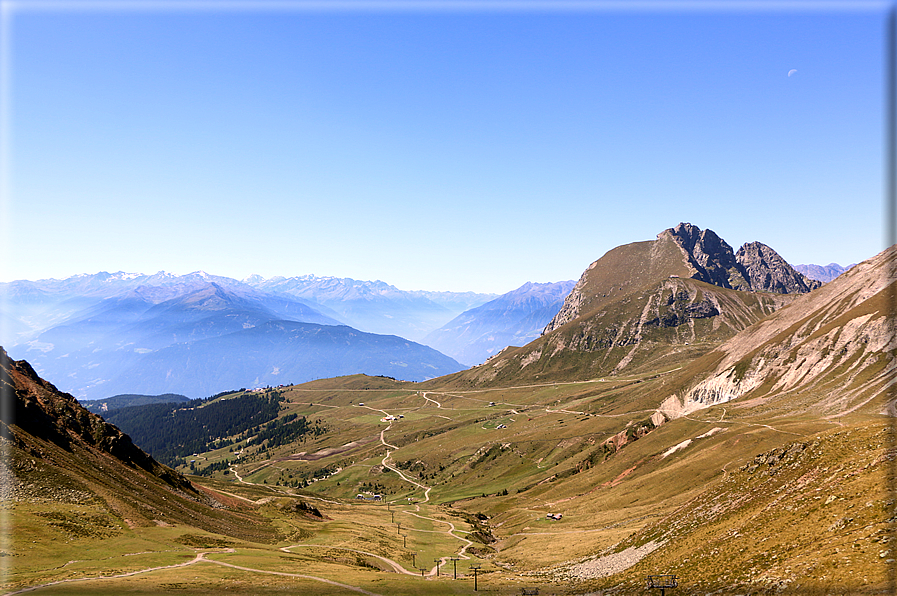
172 431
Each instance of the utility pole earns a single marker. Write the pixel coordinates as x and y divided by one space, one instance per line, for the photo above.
399 528
437 561
474 568
454 561
404 537
413 555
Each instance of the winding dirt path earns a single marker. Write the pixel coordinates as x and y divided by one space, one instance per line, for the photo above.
271 488
438 405
384 412
424 395
385 463
199 558
397 567
450 532
299 575
194 560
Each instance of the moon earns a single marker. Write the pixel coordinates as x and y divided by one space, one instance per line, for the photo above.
792 71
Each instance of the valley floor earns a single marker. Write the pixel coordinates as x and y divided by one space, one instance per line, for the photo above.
733 499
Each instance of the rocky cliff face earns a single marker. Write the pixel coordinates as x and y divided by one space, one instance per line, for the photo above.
754 268
709 255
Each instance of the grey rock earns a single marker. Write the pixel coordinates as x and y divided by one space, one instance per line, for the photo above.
710 255
766 271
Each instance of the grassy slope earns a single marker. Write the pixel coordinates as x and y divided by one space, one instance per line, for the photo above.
557 428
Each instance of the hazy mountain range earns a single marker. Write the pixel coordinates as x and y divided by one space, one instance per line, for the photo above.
111 333
107 333
373 306
823 274
512 319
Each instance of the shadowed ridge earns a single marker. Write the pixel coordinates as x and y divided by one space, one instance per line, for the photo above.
59 454
46 413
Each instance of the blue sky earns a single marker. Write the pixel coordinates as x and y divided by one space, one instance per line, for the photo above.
441 149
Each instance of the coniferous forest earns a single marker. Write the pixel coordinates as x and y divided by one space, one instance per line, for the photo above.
173 431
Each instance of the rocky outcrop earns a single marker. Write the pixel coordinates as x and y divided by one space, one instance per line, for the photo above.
754 268
680 307
766 271
711 257
717 390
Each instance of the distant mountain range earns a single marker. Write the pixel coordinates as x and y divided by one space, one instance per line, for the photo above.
275 353
199 334
512 319
109 333
376 307
824 274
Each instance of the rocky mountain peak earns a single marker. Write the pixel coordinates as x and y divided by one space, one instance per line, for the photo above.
711 256
767 271
682 251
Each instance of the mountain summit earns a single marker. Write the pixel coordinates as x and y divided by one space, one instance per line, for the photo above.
683 251
754 268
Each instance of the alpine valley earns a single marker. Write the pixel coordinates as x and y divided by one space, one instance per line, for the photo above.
684 415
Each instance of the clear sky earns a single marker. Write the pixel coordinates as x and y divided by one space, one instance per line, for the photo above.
433 146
